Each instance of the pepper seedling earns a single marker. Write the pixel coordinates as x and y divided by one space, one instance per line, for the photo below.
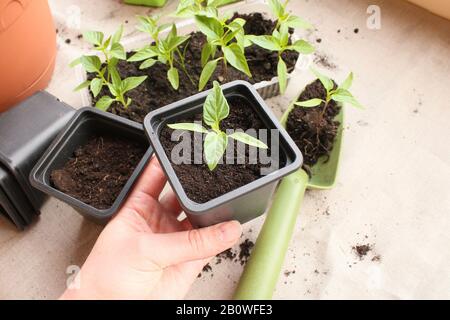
118 88
337 93
279 42
230 38
112 52
216 109
284 17
163 50
191 8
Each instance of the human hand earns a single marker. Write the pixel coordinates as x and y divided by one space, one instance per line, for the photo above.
145 252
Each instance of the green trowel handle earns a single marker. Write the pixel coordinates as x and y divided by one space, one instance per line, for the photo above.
261 273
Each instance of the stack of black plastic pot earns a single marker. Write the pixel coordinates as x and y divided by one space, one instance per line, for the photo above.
26 131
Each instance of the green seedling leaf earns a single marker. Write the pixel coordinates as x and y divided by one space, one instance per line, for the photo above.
118 51
91 63
207 72
342 95
297 22
248 139
206 53
347 82
75 62
131 83
117 36
147 63
94 37
104 103
95 86
195 127
309 103
214 147
235 56
282 75
143 54
211 27
173 77
82 85
277 8
326 82
302 46
215 108
267 42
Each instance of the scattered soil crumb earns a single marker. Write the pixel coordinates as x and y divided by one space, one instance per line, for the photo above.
318 40
416 110
226 255
316 271
339 31
245 250
206 268
362 250
287 273
68 41
323 60
79 36
376 258
356 30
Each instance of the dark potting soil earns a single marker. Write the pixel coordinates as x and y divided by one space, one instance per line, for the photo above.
98 170
362 250
157 92
313 133
201 184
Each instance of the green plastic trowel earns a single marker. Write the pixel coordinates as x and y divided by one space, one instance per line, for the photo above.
262 271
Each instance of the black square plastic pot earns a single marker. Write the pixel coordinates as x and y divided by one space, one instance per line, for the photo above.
10 211
85 124
16 195
25 132
246 202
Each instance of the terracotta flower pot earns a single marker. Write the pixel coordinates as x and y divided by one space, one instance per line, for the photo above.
28 49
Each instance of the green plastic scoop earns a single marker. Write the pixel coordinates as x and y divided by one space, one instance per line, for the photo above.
262 271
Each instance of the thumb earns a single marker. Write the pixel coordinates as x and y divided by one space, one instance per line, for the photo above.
195 244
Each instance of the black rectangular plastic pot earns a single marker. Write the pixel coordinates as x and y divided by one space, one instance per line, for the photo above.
16 195
11 212
86 123
246 202
26 131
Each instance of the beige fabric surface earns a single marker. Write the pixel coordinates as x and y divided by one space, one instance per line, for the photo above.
394 182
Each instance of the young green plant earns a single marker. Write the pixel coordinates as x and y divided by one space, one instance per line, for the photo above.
284 17
165 50
229 38
117 89
337 93
112 52
191 8
279 42
216 109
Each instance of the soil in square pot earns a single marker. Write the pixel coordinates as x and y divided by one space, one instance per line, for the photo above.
230 191
93 164
157 92
313 134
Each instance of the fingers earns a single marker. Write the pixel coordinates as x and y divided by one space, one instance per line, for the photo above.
170 202
195 244
152 180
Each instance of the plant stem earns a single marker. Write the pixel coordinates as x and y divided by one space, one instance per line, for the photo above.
183 66
225 68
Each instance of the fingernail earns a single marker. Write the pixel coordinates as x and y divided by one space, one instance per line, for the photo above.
230 231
